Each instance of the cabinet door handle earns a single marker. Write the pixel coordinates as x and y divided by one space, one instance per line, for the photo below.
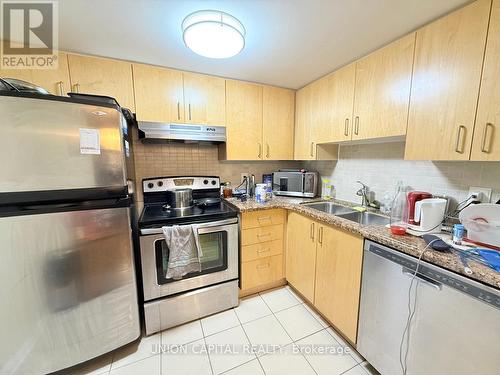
312 232
60 86
320 235
312 149
76 87
178 110
263 266
346 127
460 142
260 151
485 135
267 150
356 125
189 110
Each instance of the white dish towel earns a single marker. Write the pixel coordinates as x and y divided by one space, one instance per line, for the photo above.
184 250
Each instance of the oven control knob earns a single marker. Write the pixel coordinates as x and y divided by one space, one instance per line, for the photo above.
160 183
151 185
205 182
213 182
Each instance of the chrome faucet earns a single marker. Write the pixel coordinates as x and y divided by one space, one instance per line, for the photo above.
363 193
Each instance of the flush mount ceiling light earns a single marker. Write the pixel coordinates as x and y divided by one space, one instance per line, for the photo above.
214 34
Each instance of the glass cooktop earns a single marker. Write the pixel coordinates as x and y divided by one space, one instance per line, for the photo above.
158 214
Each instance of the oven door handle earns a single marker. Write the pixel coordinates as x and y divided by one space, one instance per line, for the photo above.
219 223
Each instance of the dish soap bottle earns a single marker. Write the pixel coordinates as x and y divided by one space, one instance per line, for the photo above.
399 211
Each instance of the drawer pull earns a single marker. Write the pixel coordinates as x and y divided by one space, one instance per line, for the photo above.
263 251
264 218
263 235
263 266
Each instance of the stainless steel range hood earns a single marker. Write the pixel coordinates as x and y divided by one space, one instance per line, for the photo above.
182 132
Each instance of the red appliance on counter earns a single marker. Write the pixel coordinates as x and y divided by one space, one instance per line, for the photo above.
412 198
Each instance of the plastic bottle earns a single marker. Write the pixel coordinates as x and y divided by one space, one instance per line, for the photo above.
399 211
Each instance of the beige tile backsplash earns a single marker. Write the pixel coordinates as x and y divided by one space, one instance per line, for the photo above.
171 159
381 166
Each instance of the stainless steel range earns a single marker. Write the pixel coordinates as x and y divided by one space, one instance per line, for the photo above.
169 302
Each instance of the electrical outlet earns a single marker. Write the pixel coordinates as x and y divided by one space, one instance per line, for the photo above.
243 175
483 194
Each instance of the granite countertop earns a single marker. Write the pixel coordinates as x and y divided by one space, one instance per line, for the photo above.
407 244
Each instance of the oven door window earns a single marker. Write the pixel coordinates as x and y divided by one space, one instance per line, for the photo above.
214 258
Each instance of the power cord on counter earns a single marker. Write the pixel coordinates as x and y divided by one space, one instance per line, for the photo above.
403 354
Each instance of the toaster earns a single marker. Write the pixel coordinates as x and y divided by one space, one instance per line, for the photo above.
295 183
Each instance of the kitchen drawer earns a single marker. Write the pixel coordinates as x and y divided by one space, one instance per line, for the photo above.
262 218
261 250
259 235
261 271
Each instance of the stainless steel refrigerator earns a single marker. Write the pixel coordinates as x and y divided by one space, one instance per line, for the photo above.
68 288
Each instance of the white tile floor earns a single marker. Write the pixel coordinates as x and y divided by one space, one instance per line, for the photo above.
272 333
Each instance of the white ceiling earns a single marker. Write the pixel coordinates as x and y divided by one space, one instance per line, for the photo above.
289 42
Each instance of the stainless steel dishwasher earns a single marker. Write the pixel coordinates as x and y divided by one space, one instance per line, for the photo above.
455 328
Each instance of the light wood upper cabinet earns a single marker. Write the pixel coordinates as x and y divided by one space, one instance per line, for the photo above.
338 278
301 254
486 142
55 81
447 72
382 94
303 146
243 121
340 101
204 99
278 123
158 94
319 114
100 76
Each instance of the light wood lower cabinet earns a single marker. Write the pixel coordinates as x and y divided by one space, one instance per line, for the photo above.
339 259
301 254
100 76
486 142
261 272
262 250
263 218
324 265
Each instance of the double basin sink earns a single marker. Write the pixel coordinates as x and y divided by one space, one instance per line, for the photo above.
363 218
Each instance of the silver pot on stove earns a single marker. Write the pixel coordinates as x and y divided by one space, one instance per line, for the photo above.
180 198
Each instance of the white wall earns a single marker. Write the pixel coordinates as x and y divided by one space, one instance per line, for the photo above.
381 166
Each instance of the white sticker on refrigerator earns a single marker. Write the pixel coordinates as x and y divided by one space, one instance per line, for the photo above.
90 142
